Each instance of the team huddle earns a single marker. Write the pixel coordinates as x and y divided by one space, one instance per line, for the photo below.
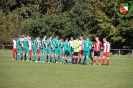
58 50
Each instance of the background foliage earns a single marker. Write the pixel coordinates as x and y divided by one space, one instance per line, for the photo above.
65 18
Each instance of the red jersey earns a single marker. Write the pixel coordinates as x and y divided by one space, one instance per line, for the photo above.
97 46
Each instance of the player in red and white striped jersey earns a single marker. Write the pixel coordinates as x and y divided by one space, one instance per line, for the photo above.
38 47
14 48
30 48
97 48
106 51
80 49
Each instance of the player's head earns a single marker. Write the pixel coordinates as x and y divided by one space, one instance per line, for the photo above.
76 38
97 38
104 40
71 38
44 36
57 36
81 37
87 38
29 38
22 35
66 39
50 37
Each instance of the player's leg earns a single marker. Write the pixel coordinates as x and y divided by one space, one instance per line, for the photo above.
104 55
88 54
14 53
91 55
49 54
107 56
19 51
83 57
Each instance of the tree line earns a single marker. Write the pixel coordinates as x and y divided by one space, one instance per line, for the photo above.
65 18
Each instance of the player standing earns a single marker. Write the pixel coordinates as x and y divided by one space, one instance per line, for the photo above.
86 52
43 49
19 47
14 51
30 48
97 48
67 51
48 49
38 48
80 49
75 46
106 51
26 48
35 49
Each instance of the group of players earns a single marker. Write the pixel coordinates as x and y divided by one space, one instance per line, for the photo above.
58 50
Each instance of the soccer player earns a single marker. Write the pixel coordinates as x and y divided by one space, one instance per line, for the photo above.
26 48
70 42
49 45
14 51
43 49
30 48
80 49
75 46
38 48
86 52
59 51
106 51
22 39
55 48
97 48
67 51
35 49
19 48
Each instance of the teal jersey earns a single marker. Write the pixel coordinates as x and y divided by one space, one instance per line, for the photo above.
43 43
59 44
66 45
49 43
19 43
87 45
35 43
55 42
26 42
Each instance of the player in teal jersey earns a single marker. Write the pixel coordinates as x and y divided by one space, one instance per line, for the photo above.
48 49
43 49
55 49
19 48
35 49
86 52
62 51
26 48
67 51
59 50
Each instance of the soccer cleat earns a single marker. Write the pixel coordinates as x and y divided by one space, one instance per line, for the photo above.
94 63
27 60
99 63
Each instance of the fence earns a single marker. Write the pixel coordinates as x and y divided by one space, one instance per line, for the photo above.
114 52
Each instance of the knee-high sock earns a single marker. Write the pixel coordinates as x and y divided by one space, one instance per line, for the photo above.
53 58
62 60
82 61
87 60
35 57
45 56
27 57
102 61
18 56
23 56
48 58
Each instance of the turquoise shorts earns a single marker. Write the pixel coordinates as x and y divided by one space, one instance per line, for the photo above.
48 51
86 53
26 49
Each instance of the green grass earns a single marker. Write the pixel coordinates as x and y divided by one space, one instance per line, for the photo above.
119 74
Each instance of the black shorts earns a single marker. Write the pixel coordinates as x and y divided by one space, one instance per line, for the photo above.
75 53
96 53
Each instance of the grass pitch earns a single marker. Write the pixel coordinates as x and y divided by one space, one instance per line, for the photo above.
119 74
